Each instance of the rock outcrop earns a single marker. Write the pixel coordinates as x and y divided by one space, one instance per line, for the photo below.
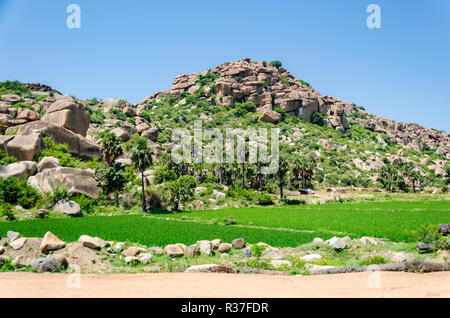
70 115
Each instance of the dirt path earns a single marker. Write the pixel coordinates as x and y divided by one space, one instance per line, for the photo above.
226 285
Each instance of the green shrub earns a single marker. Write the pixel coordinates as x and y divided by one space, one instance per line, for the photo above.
8 266
87 204
276 64
229 220
317 119
304 83
428 234
16 191
117 114
374 260
5 159
7 211
264 199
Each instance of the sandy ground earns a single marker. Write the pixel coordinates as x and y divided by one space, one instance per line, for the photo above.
192 285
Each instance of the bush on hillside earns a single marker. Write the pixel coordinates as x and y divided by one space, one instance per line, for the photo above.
16 191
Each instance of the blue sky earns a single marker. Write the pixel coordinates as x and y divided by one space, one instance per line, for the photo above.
131 49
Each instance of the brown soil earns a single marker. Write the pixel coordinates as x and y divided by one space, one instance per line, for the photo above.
226 285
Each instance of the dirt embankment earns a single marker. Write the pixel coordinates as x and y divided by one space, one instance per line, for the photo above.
368 284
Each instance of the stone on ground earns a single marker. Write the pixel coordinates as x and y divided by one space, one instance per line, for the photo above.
238 243
200 268
224 247
12 236
51 243
18 243
131 251
205 247
47 264
92 242
173 250
68 207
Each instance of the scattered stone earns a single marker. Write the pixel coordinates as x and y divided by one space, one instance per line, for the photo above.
41 213
200 190
205 247
173 250
269 116
92 242
156 250
313 267
118 247
131 251
337 243
12 236
238 243
276 263
368 241
311 258
192 250
68 207
62 260
224 255
51 243
215 244
16 169
131 259
19 243
48 163
246 252
224 247
146 258
22 261
47 264
200 268
318 240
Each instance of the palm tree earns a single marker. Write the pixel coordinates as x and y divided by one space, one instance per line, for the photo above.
283 169
141 157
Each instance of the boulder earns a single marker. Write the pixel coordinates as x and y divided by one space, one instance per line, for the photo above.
216 243
78 145
200 268
131 251
16 169
205 247
238 243
368 241
327 144
146 258
68 207
192 250
121 133
337 243
318 240
92 242
173 250
142 127
48 163
18 243
10 98
70 115
151 134
224 247
270 116
76 181
22 261
28 115
12 236
311 258
131 259
47 264
32 167
51 243
156 250
25 147
41 213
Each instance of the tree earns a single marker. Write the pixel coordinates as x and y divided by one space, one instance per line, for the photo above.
276 64
408 171
179 191
141 157
111 178
283 170
389 177
111 148
303 170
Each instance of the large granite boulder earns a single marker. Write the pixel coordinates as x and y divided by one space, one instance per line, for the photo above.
70 115
16 169
76 181
25 148
78 145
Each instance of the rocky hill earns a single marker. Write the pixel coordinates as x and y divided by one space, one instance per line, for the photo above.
346 146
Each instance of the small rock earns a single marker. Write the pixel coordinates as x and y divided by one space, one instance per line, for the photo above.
41 213
47 264
368 241
337 243
48 163
247 252
22 261
92 242
200 268
173 250
311 258
215 244
68 207
12 236
192 250
131 251
205 247
51 243
146 258
224 255
130 259
318 240
238 243
224 247
318 267
118 247
276 263
62 260
156 250
19 243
